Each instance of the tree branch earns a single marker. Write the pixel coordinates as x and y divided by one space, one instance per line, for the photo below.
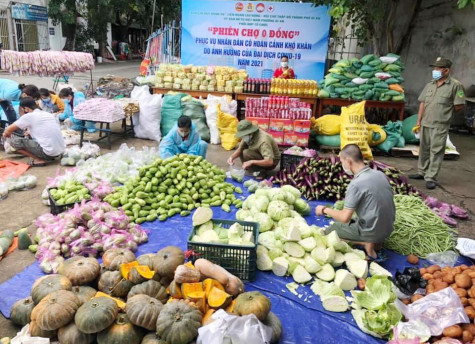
409 27
390 26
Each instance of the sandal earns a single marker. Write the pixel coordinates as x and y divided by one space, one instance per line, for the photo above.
33 164
380 257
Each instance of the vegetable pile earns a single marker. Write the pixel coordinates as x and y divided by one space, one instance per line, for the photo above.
88 229
324 178
174 186
418 230
447 212
296 150
70 192
21 183
74 154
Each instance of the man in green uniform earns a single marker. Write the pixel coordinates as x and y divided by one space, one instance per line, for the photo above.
438 101
258 151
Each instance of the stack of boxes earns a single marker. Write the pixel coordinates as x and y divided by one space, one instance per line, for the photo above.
286 119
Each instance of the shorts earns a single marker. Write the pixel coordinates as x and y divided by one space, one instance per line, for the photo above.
31 146
351 232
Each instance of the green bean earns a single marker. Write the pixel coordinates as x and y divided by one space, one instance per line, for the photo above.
418 230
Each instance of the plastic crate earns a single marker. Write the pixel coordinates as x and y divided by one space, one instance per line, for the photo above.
289 160
238 260
56 208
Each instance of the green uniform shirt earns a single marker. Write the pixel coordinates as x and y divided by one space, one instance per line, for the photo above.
439 102
264 144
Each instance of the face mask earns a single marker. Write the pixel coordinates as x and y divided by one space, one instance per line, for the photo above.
284 64
66 101
436 74
348 171
247 139
183 134
47 100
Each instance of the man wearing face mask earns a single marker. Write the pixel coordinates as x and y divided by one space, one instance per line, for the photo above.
284 72
258 151
369 212
183 138
438 101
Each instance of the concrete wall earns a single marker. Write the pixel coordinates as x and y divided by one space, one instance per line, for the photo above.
440 30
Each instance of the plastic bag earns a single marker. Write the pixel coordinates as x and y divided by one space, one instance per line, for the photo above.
443 259
24 337
407 125
3 191
232 329
328 125
329 140
411 332
171 111
437 310
194 110
236 173
354 128
409 281
211 112
227 125
393 131
466 247
376 135
147 124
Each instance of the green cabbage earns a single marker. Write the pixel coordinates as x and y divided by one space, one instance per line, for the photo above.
302 207
289 198
261 203
242 214
265 222
278 210
277 194
267 239
292 190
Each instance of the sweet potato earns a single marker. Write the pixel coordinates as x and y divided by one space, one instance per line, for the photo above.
463 281
467 336
470 312
461 292
433 268
427 276
423 271
454 331
469 327
416 297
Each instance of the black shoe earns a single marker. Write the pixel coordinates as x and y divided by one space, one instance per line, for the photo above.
430 185
416 176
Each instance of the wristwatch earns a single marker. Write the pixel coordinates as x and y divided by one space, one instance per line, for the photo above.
323 210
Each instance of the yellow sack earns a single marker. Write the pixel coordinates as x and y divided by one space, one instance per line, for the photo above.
227 126
327 125
373 129
354 128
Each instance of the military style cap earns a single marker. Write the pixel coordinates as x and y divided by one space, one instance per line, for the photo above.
442 63
244 128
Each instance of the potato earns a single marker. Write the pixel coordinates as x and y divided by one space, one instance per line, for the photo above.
469 327
454 331
427 276
471 302
454 286
470 312
440 285
438 274
406 301
471 273
464 301
361 283
448 277
423 271
464 267
416 297
430 289
463 281
461 292
413 259
470 293
472 289
457 270
467 336
473 281
433 268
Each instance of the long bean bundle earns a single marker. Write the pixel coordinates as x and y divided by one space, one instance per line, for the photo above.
418 230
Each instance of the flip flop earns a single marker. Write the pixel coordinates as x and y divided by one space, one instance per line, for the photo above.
33 164
380 257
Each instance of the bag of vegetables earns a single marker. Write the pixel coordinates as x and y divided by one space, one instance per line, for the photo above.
354 128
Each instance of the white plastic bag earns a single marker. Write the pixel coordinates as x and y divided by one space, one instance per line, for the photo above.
147 124
466 247
24 337
212 119
437 310
232 329
3 190
443 259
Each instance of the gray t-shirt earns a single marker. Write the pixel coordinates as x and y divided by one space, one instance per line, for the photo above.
370 196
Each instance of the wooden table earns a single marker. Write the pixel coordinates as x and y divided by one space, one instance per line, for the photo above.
196 94
106 133
309 100
398 106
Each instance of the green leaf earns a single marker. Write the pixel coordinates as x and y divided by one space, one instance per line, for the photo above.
377 293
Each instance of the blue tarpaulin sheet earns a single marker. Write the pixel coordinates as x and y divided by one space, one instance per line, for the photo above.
303 318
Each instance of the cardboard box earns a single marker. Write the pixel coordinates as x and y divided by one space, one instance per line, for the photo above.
302 139
302 126
278 136
290 138
262 123
280 124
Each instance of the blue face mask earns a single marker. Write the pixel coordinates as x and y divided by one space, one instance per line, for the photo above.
436 74
66 101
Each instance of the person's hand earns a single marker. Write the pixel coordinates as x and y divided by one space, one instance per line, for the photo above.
319 210
247 164
27 133
230 160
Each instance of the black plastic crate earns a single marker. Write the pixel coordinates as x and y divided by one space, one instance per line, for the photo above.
56 208
238 260
289 160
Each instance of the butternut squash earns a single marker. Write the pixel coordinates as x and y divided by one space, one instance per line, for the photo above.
187 288
396 87
218 298
207 317
209 284
232 284
185 274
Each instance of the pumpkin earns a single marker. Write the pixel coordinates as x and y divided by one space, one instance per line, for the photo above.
84 293
36 331
122 331
143 311
274 322
152 338
126 267
199 299
139 274
112 283
207 317
218 298
151 288
163 280
230 308
253 302
146 259
186 274
80 270
187 288
232 284
47 284
55 310
121 304
167 260
20 314
96 315
70 334
178 322
113 258
209 284
174 290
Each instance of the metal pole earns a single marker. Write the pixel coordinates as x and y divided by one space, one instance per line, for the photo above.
153 15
